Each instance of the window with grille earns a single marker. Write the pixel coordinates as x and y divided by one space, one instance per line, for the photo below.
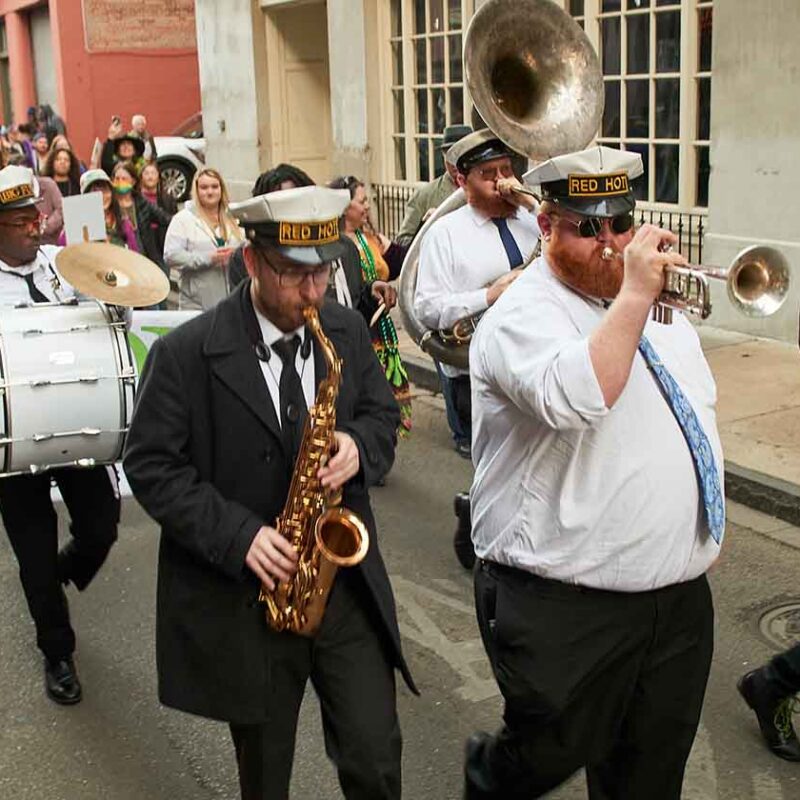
426 40
656 61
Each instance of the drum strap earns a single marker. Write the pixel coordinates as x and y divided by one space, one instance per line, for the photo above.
36 295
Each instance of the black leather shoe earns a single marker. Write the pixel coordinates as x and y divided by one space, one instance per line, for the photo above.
478 784
464 450
774 713
61 682
462 540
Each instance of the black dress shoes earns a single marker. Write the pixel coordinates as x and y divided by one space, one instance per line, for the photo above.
61 681
478 784
462 541
464 450
773 711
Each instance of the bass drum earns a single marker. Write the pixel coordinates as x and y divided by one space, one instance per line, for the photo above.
67 382
429 341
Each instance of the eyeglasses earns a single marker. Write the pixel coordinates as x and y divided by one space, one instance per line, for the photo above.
295 278
492 173
590 227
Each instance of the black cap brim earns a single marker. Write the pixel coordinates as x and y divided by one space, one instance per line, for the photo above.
596 206
307 256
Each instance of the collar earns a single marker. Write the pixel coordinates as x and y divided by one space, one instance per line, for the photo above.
270 333
480 218
25 269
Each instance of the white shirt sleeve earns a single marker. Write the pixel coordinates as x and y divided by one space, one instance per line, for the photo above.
439 299
543 367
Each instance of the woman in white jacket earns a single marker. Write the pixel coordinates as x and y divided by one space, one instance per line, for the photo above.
200 240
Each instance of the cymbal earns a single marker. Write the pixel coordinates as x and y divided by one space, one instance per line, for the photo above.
113 274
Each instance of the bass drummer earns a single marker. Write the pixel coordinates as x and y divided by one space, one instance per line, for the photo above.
468 258
28 275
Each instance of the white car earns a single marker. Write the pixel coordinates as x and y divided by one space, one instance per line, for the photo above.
180 156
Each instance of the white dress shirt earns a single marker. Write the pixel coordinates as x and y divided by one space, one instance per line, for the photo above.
46 278
460 255
565 487
273 368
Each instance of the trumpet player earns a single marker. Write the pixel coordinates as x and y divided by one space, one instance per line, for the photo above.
597 503
467 260
217 429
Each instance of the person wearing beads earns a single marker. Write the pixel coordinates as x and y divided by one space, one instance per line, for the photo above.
467 260
597 503
380 260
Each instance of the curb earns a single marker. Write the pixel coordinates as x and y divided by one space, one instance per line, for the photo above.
759 491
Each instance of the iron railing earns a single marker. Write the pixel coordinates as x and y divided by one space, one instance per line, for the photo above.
390 200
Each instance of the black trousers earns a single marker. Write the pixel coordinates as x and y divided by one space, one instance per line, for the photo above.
348 664
92 499
607 680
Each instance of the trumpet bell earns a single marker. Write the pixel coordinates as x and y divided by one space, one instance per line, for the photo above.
534 75
758 281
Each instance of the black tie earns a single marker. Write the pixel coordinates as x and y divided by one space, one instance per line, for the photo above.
292 401
509 243
33 291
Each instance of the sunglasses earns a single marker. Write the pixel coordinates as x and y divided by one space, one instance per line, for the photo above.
590 227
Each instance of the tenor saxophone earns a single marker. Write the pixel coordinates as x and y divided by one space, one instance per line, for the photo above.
324 535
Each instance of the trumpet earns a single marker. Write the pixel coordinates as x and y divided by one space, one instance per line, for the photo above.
757 281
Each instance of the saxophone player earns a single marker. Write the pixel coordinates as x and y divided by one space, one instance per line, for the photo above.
467 260
210 456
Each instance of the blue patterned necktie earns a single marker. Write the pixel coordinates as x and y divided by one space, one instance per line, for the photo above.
696 438
507 238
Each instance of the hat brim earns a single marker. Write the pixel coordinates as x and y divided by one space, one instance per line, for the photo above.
138 144
596 206
307 256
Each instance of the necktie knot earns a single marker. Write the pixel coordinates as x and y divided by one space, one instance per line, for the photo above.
287 349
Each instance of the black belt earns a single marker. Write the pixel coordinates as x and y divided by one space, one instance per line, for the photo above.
504 572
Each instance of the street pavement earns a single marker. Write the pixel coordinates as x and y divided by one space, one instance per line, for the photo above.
119 744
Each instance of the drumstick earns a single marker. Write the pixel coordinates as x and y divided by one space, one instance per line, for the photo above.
376 316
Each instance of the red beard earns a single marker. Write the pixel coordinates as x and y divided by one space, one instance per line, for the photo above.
594 276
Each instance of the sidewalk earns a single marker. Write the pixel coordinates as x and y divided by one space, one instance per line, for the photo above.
758 413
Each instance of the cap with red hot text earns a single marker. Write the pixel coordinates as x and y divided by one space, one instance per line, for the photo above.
593 182
302 224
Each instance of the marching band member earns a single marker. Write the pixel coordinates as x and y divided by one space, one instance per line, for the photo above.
468 258
597 503
28 274
210 456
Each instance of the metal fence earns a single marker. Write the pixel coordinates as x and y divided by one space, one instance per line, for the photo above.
390 200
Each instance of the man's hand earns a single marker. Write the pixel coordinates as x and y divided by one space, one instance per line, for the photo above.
384 293
645 261
343 465
505 187
271 557
501 284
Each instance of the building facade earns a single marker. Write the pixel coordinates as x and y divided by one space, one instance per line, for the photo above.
91 59
700 89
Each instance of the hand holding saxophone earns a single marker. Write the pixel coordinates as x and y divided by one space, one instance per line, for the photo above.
271 557
646 258
343 465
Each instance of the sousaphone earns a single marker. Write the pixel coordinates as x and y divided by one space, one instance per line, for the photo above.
535 80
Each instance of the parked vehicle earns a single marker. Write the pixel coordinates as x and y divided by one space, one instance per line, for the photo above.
180 155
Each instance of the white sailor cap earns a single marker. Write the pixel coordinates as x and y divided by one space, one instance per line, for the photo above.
302 224
593 182
18 188
475 148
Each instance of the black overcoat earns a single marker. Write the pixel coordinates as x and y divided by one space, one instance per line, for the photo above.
204 458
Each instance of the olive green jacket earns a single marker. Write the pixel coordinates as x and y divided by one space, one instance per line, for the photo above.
428 196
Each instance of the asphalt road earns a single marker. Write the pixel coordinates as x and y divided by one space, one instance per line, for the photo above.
119 744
